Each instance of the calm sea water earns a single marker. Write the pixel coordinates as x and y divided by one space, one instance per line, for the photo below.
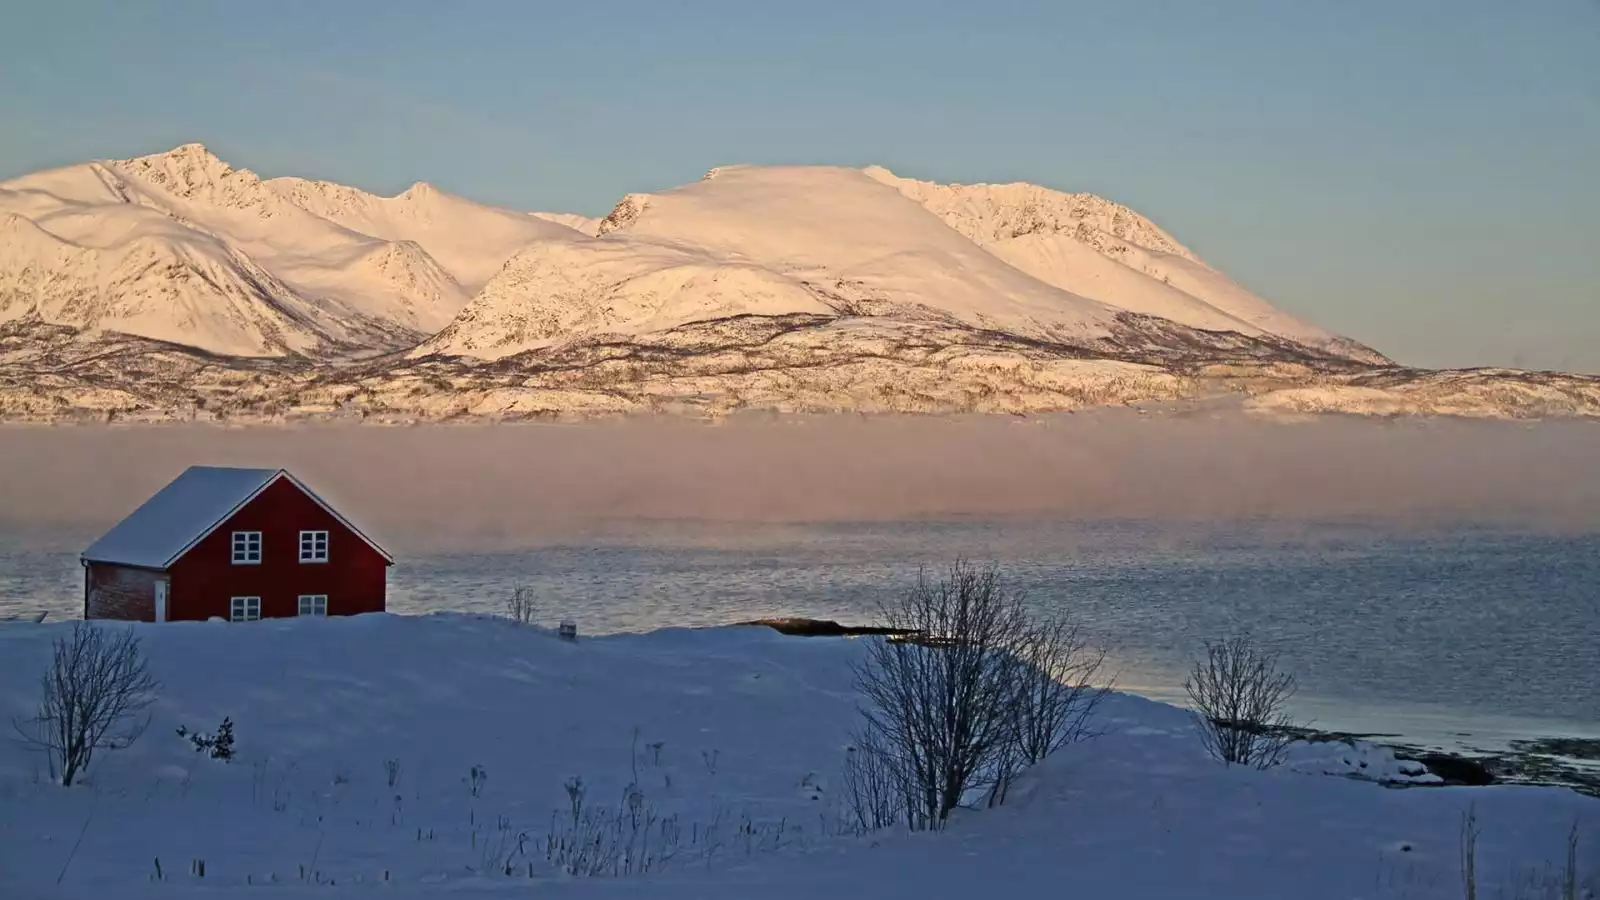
1463 636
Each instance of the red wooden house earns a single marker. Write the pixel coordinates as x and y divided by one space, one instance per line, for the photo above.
236 544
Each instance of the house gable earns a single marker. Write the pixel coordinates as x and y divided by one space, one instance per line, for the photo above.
282 477
191 508
205 579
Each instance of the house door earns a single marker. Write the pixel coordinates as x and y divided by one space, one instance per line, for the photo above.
161 600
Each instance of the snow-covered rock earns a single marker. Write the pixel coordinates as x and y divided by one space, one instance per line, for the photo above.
1356 759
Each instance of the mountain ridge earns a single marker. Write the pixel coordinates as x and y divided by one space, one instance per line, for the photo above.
786 288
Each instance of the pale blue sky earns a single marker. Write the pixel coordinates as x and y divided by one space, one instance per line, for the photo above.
1420 175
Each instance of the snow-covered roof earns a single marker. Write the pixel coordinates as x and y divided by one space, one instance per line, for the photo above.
191 507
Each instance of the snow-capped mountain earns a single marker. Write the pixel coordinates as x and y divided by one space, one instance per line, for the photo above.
585 224
1103 250
184 248
165 286
468 239
165 283
769 240
759 241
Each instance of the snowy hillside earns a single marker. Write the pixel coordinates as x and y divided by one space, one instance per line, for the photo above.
752 240
432 756
468 239
555 291
162 287
182 247
585 224
156 280
1103 250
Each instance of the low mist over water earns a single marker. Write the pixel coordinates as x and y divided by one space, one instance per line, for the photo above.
1425 577
473 487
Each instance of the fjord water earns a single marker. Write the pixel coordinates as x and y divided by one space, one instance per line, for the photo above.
1455 636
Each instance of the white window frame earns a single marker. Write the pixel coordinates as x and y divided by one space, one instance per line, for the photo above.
315 600
310 551
247 548
244 609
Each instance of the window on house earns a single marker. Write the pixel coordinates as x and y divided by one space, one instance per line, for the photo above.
246 548
313 546
313 604
244 609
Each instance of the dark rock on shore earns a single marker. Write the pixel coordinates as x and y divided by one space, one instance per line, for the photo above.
1451 768
820 627
1587 749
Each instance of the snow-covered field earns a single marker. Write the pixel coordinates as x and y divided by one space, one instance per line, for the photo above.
735 737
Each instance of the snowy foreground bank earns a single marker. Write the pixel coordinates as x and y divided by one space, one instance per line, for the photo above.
358 741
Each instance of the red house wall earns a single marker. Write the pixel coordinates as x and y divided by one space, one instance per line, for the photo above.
121 592
205 579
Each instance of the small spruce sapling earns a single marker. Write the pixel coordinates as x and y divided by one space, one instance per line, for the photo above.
218 746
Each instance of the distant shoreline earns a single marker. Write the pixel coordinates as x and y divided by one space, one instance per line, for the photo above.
1551 761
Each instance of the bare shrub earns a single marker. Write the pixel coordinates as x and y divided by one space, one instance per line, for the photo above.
941 705
502 849
1238 694
90 699
1054 674
972 691
1569 881
1058 694
874 797
1543 881
633 838
519 606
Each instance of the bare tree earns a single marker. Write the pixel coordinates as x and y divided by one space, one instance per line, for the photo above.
1239 694
519 606
940 702
90 699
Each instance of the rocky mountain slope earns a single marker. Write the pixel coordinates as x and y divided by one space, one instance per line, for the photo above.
176 287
